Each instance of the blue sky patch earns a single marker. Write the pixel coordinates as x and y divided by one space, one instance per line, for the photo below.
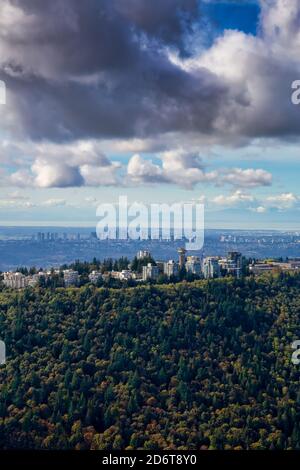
240 15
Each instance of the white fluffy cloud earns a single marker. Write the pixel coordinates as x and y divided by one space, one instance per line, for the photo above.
259 71
55 165
283 201
236 91
239 198
59 175
235 199
187 169
249 178
140 170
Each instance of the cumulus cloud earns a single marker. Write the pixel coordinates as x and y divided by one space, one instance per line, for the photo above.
101 69
187 170
117 70
239 198
59 175
259 71
249 178
61 165
235 199
78 73
177 167
140 170
283 201
259 209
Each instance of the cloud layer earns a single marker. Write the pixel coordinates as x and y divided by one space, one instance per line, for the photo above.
78 73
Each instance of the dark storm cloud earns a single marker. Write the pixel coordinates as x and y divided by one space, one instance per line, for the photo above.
168 20
98 68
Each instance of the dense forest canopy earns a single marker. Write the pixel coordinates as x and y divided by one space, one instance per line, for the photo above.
194 365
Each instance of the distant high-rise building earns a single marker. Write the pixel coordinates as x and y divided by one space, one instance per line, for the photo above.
94 277
125 275
193 265
171 268
40 236
20 281
15 280
71 278
182 257
141 254
234 259
150 272
211 267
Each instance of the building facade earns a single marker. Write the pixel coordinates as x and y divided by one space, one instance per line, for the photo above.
150 272
193 265
171 268
71 278
211 267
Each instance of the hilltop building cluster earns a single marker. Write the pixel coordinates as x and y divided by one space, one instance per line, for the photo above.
185 267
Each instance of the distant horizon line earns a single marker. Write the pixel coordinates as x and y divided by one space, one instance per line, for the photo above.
60 225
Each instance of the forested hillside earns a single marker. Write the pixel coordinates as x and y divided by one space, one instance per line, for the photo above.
185 366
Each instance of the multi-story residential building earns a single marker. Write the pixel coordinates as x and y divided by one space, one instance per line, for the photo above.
182 257
15 280
71 278
34 280
193 265
211 267
274 266
232 264
161 266
20 281
234 259
150 272
143 254
126 274
94 277
171 268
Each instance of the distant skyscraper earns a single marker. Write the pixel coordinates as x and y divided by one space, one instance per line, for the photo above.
235 259
143 254
211 267
150 272
171 268
181 252
193 265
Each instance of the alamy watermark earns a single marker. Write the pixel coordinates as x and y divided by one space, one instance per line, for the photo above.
295 97
2 353
296 353
2 92
138 221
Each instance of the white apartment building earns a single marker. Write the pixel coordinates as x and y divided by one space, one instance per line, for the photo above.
193 265
20 281
35 278
126 274
94 277
143 254
71 278
15 280
211 267
150 272
171 268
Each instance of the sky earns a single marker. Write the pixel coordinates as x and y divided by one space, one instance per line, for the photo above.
163 101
